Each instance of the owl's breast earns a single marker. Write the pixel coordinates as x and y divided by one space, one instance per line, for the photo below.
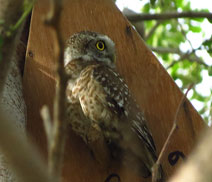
91 96
94 103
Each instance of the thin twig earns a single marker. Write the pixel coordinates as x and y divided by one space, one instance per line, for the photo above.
168 15
150 33
190 56
184 34
10 12
57 144
45 114
163 50
21 20
21 155
174 126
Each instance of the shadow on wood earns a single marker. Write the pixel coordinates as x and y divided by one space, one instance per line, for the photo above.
154 90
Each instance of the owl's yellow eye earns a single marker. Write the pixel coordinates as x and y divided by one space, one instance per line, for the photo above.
100 45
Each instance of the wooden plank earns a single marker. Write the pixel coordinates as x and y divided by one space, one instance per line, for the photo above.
154 90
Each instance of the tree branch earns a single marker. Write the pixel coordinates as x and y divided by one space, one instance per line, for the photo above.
56 146
190 56
174 126
138 25
164 50
184 34
45 114
22 156
168 15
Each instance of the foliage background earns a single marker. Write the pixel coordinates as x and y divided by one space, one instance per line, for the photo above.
183 46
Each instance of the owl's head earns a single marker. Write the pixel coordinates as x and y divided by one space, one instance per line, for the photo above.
90 46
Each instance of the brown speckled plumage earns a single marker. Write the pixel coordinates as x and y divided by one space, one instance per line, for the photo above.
100 103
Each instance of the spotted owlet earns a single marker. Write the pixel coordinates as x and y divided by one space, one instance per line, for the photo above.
100 102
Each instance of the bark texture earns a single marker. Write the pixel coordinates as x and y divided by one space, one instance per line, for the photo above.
11 99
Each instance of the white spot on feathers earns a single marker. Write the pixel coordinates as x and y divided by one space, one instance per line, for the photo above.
121 103
126 93
121 80
111 105
126 113
125 85
137 116
115 73
117 97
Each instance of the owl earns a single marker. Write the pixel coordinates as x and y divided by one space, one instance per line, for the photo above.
100 105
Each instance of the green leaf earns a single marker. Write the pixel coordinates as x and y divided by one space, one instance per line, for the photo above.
208 42
146 8
27 10
186 64
210 20
187 6
210 71
168 34
208 45
195 29
165 57
198 19
179 3
174 70
203 110
198 96
205 10
152 2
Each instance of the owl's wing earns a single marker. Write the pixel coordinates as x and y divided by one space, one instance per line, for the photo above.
120 102
111 96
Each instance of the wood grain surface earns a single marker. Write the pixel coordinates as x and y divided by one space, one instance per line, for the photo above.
154 90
